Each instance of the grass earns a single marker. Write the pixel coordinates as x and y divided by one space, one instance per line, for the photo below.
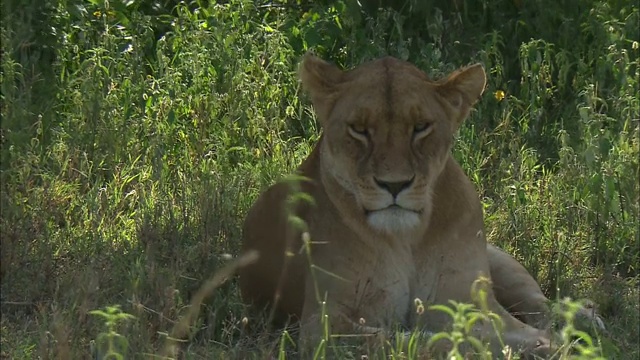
134 139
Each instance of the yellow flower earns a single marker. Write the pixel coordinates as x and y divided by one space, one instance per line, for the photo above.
499 95
97 13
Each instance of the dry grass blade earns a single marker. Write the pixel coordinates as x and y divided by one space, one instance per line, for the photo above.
180 330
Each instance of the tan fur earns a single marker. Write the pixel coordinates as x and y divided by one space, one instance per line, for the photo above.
517 291
387 129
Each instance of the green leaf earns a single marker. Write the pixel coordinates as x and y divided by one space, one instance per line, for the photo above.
444 309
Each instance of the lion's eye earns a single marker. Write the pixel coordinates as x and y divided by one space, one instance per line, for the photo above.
358 131
422 129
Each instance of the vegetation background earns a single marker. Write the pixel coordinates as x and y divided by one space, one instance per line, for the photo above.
136 134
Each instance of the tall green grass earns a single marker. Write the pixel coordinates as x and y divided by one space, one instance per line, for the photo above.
134 138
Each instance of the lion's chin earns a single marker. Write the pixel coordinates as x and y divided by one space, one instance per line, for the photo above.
394 219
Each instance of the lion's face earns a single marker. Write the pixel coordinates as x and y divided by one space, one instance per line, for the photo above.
387 133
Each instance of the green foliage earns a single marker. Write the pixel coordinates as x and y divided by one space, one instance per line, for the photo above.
576 344
464 317
135 135
110 344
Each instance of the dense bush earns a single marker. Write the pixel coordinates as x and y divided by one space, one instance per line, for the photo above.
136 134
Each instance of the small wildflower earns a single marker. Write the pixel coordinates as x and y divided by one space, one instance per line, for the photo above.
419 306
499 95
362 321
97 13
635 45
507 352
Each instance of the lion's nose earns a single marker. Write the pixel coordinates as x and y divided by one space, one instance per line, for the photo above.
394 187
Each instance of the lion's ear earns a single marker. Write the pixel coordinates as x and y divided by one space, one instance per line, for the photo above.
320 79
463 88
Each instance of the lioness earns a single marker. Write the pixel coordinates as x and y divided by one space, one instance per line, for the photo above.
394 218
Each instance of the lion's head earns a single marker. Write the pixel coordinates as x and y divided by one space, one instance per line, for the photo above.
388 131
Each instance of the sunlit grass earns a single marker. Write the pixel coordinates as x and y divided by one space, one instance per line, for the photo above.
132 146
